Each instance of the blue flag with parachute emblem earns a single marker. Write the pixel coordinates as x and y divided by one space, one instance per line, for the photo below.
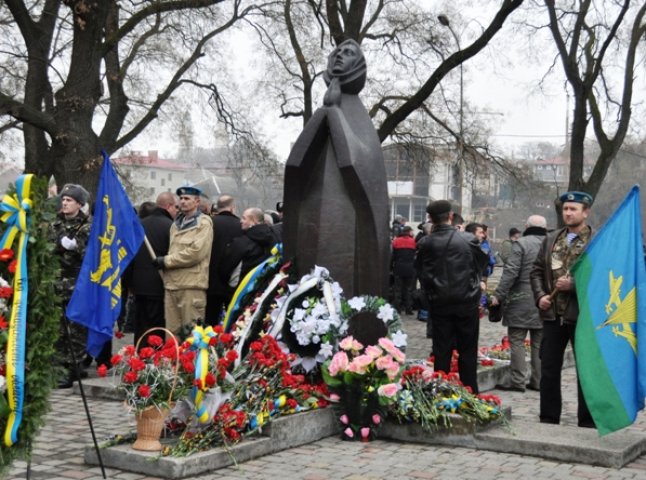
610 339
115 237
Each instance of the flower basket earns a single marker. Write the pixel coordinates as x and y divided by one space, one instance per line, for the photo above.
151 420
150 423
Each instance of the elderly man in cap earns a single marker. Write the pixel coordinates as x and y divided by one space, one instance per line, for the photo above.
186 266
450 264
555 296
69 233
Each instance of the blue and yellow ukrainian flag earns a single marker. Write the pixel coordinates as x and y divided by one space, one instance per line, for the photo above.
610 336
115 237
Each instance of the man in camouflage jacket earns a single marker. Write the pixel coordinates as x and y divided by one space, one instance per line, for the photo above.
69 233
555 295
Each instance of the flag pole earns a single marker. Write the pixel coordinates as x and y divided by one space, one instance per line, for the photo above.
152 253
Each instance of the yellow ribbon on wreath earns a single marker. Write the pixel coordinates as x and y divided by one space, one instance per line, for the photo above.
16 216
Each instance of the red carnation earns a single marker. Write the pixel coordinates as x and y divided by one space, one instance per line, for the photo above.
144 391
119 334
130 377
155 341
146 352
231 355
209 380
3 322
102 370
226 338
291 403
12 266
136 364
6 292
116 359
6 254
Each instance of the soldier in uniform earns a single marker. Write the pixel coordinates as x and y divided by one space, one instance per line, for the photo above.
555 296
69 233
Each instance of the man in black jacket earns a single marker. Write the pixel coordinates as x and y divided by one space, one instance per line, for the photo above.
145 281
250 249
450 265
226 227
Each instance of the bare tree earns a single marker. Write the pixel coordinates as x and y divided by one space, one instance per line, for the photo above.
597 44
78 65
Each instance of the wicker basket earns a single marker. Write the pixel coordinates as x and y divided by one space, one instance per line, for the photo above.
151 420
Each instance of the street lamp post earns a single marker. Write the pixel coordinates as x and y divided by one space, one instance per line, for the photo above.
458 174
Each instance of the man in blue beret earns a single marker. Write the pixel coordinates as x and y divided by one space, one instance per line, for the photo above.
555 296
186 266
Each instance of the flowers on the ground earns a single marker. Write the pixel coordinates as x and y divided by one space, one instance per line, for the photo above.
428 397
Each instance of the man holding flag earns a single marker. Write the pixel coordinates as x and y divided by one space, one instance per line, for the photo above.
115 238
556 297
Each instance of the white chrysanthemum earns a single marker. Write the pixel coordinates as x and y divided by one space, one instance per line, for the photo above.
400 339
357 303
299 314
3 384
386 313
319 310
325 351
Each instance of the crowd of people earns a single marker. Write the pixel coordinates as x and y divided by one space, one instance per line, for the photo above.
198 252
536 293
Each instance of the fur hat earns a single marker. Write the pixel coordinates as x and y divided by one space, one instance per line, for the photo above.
76 192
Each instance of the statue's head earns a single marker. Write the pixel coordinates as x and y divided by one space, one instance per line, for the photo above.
347 64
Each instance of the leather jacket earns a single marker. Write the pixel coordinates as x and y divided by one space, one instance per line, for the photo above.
450 265
542 281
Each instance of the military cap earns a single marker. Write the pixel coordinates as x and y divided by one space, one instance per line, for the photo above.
578 197
186 190
76 192
438 207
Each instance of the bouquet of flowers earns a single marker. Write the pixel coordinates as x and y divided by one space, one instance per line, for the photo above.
367 379
156 375
264 388
428 397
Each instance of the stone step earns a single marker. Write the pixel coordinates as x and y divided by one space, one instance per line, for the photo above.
564 443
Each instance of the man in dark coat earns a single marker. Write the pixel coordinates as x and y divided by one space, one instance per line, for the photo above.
520 315
450 265
250 249
226 227
145 281
555 296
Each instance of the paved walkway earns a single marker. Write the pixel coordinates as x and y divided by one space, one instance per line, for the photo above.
58 453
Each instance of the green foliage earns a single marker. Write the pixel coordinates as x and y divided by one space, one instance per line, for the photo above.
43 316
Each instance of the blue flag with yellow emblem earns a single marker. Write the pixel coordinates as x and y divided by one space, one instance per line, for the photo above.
610 340
115 237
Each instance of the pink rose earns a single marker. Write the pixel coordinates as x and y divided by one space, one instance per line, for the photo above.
363 361
376 419
384 363
393 371
373 351
346 343
390 347
344 419
389 390
355 368
365 432
348 432
339 363
334 397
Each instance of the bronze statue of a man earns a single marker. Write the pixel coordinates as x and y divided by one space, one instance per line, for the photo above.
336 196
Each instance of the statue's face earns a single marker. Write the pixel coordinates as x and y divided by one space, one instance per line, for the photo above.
345 58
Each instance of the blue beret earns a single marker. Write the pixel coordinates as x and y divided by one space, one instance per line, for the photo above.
578 197
188 191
